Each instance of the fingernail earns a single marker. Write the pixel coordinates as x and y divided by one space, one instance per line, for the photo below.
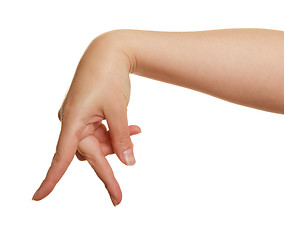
129 157
35 196
114 202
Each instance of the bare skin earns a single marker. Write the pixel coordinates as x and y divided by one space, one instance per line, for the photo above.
244 66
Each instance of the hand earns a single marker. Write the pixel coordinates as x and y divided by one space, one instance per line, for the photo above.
100 90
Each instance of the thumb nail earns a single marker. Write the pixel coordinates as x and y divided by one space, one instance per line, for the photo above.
129 157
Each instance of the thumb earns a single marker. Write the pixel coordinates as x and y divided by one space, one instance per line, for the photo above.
116 117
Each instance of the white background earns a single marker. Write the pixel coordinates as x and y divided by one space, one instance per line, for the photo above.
206 168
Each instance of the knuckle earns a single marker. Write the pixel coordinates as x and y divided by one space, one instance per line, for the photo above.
66 111
65 114
123 140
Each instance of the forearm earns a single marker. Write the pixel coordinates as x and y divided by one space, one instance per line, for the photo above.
245 66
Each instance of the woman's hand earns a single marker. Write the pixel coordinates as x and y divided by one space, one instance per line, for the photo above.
100 90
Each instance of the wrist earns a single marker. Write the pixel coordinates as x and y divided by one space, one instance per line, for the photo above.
117 43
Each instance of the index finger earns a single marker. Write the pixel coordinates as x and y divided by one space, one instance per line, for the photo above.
65 151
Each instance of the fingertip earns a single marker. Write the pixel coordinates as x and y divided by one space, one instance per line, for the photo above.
114 191
115 202
116 199
139 129
134 129
44 190
36 199
36 196
128 157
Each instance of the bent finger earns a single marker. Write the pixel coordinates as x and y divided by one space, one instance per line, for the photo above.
107 146
104 138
